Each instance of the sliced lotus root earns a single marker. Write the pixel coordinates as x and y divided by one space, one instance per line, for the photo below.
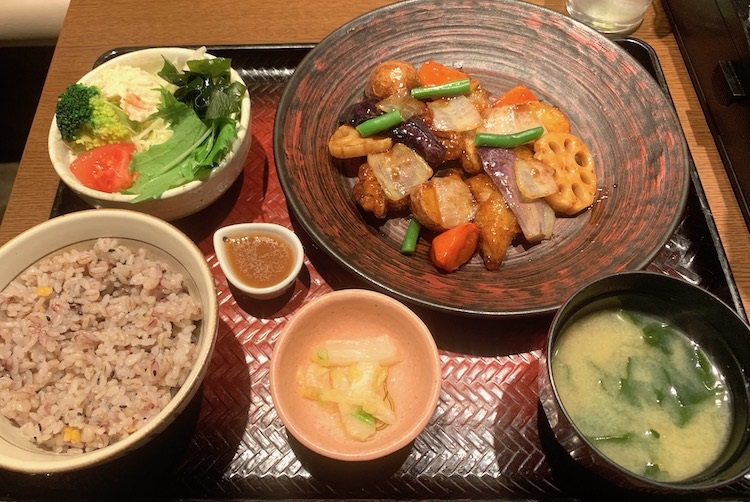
574 171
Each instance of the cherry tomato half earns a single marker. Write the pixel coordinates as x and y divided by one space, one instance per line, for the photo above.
105 168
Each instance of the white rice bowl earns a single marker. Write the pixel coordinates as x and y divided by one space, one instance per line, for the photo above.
177 202
163 242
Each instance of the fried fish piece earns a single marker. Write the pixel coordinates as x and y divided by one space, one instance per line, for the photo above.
443 202
497 223
369 194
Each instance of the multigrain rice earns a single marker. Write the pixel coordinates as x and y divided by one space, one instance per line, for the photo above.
93 344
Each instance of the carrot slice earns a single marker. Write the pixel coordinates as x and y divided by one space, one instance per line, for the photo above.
455 246
434 73
516 95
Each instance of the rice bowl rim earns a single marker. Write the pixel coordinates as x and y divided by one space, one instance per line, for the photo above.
89 225
139 58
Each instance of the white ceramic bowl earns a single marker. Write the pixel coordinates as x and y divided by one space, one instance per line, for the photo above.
17 453
180 201
283 233
414 382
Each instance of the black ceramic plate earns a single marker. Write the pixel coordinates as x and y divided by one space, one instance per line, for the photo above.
629 124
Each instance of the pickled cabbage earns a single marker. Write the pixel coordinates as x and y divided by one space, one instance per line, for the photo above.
351 377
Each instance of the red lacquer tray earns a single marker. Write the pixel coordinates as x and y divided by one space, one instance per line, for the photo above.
487 438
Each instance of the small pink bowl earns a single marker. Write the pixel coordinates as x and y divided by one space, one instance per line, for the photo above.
414 382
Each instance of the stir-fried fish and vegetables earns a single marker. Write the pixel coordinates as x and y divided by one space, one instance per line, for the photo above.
475 172
140 133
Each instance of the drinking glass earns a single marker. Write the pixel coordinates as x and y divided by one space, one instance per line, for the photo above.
613 17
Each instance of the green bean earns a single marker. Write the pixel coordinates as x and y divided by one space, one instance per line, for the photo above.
379 123
508 140
453 88
409 244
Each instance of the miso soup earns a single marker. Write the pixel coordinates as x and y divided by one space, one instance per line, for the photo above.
644 394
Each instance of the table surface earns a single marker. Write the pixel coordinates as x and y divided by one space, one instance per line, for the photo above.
90 29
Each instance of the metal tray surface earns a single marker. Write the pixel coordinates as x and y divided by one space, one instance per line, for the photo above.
487 439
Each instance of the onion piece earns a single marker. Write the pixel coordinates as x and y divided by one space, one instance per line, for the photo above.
455 114
548 221
508 119
406 105
399 170
456 203
443 202
380 349
535 178
499 163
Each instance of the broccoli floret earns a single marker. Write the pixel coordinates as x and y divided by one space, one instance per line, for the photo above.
74 109
85 118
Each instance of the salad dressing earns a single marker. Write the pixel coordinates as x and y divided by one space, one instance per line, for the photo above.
259 260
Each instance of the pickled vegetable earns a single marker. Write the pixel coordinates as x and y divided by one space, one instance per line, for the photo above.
352 375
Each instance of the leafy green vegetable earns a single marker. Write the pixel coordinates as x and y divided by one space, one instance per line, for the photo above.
658 335
628 387
206 86
645 441
704 368
653 471
652 433
618 438
155 166
201 114
677 388
187 131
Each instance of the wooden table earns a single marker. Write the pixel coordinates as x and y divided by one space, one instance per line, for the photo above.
93 27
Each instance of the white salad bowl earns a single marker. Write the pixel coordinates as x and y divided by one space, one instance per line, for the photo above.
177 202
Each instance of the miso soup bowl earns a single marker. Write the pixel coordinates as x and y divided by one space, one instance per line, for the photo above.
722 334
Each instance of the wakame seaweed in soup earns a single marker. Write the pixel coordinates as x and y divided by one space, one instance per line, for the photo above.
643 394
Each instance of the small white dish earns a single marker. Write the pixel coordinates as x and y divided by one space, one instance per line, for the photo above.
223 234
